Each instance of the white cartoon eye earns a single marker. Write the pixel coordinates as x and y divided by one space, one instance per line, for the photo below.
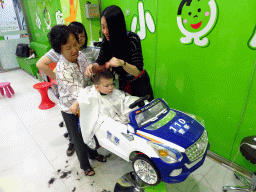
185 21
207 13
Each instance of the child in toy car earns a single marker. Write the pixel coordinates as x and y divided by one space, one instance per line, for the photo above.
102 98
164 144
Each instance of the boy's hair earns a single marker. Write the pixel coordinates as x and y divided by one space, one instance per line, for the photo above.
59 35
100 73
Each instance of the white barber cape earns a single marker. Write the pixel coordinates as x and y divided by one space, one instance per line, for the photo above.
95 108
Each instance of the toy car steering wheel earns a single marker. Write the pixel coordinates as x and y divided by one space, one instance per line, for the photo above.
140 102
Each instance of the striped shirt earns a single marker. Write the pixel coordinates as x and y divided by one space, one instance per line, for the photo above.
135 56
52 55
71 80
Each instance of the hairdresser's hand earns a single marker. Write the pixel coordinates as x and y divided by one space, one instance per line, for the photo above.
88 71
114 62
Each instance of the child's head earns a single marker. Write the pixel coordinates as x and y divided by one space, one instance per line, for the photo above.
103 81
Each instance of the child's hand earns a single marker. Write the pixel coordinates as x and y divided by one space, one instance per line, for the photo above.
74 108
88 71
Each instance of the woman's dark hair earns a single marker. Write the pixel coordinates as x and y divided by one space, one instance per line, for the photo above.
99 73
59 35
78 28
117 31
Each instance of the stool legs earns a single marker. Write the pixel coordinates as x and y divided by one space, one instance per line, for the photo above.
7 87
10 88
7 92
2 91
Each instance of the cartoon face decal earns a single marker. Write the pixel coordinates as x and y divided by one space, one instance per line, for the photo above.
196 18
47 19
38 21
59 18
252 41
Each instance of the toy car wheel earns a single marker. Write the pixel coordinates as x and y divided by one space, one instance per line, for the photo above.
146 170
93 143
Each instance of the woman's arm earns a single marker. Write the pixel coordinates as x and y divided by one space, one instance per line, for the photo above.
135 65
129 68
43 65
46 60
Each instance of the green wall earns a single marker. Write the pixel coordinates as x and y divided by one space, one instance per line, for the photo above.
35 12
214 81
95 23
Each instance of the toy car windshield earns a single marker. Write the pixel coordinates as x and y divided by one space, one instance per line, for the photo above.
155 115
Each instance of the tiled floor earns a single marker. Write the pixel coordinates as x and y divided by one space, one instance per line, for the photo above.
33 149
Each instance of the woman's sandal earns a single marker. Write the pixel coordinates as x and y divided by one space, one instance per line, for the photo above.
101 158
88 171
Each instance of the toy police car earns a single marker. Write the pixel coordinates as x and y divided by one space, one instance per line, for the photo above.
163 144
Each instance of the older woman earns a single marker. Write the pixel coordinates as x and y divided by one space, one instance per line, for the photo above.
53 56
71 79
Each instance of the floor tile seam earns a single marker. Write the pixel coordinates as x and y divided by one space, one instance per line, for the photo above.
11 167
174 187
187 189
109 167
208 183
46 119
26 129
215 163
42 153
53 169
203 177
40 121
21 162
225 174
30 76
88 182
99 175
